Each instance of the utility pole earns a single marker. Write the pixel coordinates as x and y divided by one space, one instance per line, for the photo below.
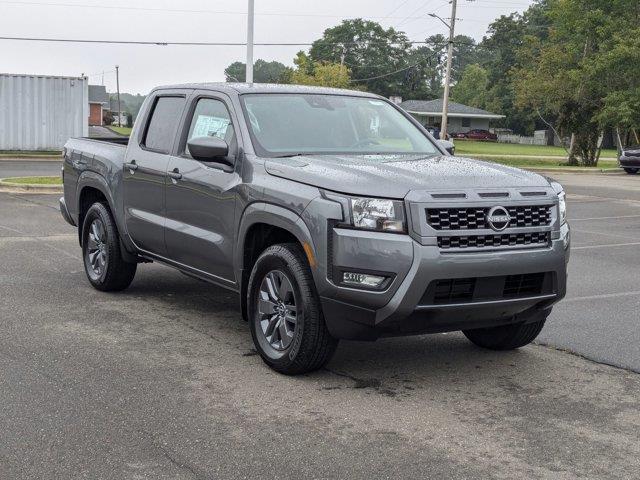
249 70
447 77
118 90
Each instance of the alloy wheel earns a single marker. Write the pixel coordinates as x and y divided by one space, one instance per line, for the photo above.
277 312
96 255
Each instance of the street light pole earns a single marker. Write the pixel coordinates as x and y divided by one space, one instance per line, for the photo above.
118 90
447 79
249 68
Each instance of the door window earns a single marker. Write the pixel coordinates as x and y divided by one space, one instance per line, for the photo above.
211 119
161 129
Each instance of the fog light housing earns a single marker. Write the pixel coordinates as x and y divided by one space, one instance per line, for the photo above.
365 280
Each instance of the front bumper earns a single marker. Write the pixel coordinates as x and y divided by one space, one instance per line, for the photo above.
401 309
629 162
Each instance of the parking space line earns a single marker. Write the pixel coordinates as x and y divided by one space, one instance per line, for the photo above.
603 218
605 245
604 234
602 296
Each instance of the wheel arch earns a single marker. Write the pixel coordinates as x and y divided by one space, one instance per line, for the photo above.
261 226
92 187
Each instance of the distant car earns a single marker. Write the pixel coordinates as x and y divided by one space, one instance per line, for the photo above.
630 159
479 134
459 135
435 131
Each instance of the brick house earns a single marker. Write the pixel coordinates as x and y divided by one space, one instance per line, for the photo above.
98 104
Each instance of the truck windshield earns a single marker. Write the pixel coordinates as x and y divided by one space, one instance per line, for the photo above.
283 125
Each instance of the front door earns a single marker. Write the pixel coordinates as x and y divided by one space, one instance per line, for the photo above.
201 196
145 172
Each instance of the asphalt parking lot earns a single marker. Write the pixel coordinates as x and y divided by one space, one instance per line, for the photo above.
161 381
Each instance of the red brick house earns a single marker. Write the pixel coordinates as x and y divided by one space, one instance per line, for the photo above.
98 104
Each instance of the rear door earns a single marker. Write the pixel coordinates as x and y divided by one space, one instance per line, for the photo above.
201 196
145 171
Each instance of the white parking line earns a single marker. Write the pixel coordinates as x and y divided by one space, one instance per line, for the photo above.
628 237
602 296
602 218
605 246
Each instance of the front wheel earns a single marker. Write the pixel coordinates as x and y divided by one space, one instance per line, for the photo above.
103 263
285 316
631 171
506 337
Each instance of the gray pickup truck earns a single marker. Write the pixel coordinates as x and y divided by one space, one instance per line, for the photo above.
332 213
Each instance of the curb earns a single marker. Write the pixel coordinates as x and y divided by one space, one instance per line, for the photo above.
7 187
597 171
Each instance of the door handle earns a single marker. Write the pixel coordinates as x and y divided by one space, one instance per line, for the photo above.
132 166
175 174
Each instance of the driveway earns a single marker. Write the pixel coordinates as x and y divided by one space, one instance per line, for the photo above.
161 381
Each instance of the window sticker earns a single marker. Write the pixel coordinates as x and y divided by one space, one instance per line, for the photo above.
208 126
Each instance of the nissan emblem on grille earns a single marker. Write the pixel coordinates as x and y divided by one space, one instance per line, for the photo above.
498 218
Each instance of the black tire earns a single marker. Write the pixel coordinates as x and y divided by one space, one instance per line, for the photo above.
631 171
310 345
506 337
115 274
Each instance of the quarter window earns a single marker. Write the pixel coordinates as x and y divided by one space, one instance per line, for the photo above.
162 126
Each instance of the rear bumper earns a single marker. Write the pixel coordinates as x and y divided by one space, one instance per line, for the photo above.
65 212
408 311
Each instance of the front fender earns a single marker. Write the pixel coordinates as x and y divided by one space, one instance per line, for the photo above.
277 216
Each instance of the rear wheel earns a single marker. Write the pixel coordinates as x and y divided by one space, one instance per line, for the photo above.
506 337
285 316
103 263
631 171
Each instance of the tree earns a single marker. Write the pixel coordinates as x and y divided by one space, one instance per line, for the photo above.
572 78
263 72
369 51
319 73
472 88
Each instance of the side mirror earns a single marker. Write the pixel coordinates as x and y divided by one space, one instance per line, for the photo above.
208 149
447 145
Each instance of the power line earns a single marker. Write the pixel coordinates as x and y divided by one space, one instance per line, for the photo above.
183 10
223 44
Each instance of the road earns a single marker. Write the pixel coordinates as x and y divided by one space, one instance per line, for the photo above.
23 168
161 381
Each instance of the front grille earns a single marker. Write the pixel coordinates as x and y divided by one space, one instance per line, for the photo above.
475 218
476 289
538 239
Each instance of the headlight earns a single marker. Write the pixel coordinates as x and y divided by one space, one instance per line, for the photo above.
562 204
378 214
562 200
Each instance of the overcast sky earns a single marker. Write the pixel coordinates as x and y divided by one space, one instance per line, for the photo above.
143 67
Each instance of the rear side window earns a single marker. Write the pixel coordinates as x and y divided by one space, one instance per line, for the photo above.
162 126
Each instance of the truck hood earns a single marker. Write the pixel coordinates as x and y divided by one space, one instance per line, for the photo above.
393 176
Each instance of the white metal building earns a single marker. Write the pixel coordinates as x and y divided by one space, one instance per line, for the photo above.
40 112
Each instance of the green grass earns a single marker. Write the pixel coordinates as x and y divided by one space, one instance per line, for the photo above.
34 180
469 147
121 130
524 162
44 153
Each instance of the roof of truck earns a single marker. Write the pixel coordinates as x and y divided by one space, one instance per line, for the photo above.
242 88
